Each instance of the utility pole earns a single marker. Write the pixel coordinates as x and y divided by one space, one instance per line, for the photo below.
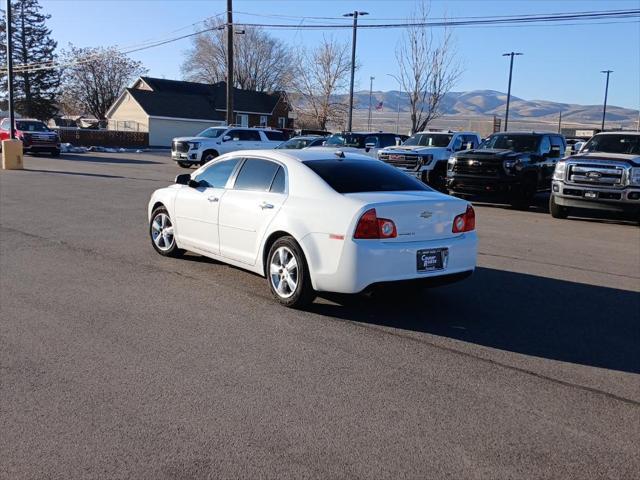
606 92
10 100
399 95
230 120
506 116
370 94
355 15
560 122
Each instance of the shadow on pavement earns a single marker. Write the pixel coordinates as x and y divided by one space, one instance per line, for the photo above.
520 313
81 174
123 160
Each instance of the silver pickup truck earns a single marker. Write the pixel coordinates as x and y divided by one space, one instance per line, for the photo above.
604 175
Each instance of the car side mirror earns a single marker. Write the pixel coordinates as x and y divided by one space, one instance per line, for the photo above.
193 183
183 179
369 146
226 138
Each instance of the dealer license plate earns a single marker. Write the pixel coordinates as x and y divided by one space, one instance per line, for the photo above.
432 259
590 195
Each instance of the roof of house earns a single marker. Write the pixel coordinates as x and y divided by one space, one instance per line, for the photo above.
178 99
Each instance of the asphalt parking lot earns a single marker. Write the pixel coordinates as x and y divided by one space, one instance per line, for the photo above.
118 363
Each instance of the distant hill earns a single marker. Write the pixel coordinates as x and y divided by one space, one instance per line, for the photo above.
478 103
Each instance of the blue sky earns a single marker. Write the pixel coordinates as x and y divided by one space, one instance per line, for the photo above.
560 63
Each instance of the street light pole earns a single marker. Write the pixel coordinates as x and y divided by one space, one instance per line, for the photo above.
12 133
355 15
606 92
400 92
230 62
370 95
506 116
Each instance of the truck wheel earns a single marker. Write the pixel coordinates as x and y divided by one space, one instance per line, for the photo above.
437 178
184 164
55 153
208 155
557 211
523 198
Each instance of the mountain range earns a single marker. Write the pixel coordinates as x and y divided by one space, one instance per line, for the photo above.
486 103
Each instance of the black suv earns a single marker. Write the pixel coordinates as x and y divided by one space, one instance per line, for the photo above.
513 166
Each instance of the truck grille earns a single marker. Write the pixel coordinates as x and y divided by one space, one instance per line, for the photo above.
477 167
409 162
40 137
596 174
180 147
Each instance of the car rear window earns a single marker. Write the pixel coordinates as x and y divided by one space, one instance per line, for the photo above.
354 176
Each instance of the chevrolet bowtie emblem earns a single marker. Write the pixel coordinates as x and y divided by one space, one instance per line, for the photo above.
426 214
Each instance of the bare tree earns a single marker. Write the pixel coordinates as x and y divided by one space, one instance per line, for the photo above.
261 63
428 68
96 77
319 75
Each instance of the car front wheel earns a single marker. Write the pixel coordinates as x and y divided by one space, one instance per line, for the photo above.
557 211
162 233
288 275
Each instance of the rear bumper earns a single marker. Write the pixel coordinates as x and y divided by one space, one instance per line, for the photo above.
363 263
625 200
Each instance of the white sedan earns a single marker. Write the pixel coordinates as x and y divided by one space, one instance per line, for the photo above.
315 220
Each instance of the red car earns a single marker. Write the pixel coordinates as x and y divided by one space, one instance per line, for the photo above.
36 137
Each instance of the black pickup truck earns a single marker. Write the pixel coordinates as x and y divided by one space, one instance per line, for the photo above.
512 166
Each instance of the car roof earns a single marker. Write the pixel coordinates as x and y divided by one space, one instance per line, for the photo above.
526 133
448 133
619 132
298 156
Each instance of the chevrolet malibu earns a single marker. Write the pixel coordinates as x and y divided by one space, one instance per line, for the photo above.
315 221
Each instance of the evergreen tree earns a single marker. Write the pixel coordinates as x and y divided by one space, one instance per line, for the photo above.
35 88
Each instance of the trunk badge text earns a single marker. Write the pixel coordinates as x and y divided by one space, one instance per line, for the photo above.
426 214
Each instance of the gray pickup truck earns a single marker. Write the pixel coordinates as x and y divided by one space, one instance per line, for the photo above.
604 175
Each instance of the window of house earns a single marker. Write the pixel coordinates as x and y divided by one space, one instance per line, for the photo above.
282 122
242 119
263 120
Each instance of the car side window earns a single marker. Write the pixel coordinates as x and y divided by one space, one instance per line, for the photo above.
387 141
249 135
545 145
216 175
278 184
371 139
4 125
558 141
234 134
256 175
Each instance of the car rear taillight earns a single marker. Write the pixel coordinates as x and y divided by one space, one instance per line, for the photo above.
465 222
371 227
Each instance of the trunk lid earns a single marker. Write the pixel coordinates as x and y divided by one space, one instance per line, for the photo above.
418 216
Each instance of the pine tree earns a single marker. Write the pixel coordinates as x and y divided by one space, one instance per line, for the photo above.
35 89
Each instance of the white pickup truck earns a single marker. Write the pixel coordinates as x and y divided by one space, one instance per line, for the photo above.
424 155
214 141
604 175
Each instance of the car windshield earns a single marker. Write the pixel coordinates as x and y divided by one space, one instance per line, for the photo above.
346 140
25 126
625 144
353 176
515 143
212 132
429 140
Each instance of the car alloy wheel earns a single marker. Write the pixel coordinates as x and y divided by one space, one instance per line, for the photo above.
283 272
162 232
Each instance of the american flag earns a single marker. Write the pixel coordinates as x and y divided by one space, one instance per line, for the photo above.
379 106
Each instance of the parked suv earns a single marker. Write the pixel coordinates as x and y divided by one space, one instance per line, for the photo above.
605 175
36 137
425 154
215 141
367 143
509 165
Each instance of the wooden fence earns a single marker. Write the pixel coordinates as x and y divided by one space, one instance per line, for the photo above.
103 138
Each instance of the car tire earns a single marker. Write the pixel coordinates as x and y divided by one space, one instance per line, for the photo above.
163 240
55 153
290 283
523 198
557 211
208 155
184 164
437 178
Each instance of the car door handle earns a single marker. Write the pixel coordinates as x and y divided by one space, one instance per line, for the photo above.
264 205
213 199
